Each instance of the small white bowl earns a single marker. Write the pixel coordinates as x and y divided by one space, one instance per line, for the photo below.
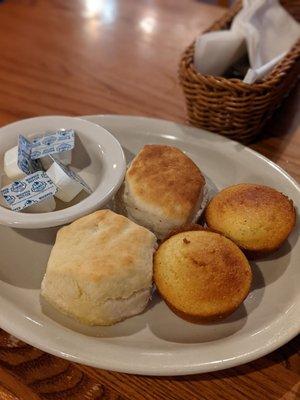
97 155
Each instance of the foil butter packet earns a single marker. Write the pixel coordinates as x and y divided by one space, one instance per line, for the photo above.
33 189
25 162
52 143
37 186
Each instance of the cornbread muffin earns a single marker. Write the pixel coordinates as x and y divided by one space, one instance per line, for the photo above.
163 189
257 218
100 269
201 275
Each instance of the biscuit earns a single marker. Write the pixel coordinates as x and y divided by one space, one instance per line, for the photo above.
100 269
163 189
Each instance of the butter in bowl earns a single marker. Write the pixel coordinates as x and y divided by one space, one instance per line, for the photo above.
56 169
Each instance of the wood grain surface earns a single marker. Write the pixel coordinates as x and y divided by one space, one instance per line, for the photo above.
76 57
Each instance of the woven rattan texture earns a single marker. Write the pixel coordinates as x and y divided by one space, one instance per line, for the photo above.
229 106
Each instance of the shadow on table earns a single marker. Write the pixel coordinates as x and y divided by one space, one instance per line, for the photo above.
283 124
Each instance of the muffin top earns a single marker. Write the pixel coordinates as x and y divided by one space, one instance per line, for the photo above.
201 275
255 217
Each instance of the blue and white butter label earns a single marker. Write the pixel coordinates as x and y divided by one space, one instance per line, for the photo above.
25 162
53 143
31 190
73 175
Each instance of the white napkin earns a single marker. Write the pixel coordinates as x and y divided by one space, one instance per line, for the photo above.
263 28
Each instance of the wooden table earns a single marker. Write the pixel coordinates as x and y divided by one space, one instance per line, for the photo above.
79 57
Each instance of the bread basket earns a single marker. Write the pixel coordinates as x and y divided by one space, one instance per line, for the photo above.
231 107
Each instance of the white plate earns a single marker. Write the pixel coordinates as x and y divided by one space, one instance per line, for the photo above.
157 342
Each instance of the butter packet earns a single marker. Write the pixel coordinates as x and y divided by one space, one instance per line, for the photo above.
60 141
31 190
25 162
72 174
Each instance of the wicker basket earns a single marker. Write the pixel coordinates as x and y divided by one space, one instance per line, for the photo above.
229 106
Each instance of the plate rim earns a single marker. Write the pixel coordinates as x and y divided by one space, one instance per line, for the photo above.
261 351
226 139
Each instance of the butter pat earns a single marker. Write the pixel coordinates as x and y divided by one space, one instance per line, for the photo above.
29 191
11 167
44 206
68 188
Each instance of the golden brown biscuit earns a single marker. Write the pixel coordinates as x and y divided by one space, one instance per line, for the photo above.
257 218
201 275
163 189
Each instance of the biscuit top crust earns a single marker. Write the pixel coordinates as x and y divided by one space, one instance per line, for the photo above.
164 178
